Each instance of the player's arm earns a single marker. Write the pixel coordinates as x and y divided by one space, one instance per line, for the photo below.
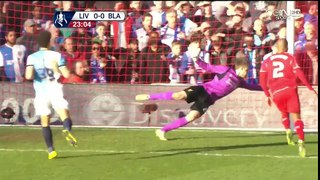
302 77
263 79
62 67
211 68
194 53
64 71
299 73
252 87
263 82
29 74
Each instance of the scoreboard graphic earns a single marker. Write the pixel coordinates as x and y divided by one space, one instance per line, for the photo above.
85 19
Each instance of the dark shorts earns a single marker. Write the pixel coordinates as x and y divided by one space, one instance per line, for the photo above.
200 97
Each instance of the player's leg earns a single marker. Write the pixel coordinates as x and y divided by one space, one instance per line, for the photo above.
298 125
162 96
286 125
65 118
280 99
202 102
294 110
61 107
299 128
47 134
188 94
180 122
67 125
42 105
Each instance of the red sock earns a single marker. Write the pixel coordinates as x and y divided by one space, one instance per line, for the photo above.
298 126
286 123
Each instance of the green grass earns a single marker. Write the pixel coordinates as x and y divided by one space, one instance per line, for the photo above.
132 154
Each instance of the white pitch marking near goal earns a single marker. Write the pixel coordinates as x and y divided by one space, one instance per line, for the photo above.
245 130
75 151
164 152
257 155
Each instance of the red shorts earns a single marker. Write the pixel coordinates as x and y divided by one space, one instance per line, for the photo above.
287 100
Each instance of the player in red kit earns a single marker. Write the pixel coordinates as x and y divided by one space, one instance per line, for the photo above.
278 80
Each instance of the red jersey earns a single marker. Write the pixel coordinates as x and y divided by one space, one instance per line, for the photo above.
71 58
73 79
279 72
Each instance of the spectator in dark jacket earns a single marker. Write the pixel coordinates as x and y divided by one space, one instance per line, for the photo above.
154 66
28 39
126 64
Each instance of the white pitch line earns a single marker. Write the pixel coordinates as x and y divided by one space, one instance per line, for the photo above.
76 151
162 152
200 129
257 155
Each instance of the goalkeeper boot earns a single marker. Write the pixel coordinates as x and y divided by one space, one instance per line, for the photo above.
52 155
160 135
69 137
290 137
142 97
302 149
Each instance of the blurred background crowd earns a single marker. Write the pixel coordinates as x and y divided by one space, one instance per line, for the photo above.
151 45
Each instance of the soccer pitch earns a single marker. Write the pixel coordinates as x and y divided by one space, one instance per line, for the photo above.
137 154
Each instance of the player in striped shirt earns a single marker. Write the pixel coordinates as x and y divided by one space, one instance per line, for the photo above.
45 67
278 76
204 95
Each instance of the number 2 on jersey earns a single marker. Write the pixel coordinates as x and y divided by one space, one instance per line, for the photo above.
277 71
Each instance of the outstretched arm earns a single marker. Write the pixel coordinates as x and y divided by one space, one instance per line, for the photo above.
303 79
194 53
301 75
252 87
211 68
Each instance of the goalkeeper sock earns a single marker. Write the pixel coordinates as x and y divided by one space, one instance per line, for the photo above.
175 124
47 134
298 126
161 96
67 124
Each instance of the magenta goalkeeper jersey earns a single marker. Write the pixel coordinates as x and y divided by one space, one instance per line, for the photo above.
224 82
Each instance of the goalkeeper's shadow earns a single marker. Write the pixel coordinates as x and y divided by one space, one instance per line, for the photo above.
183 151
246 135
226 136
91 155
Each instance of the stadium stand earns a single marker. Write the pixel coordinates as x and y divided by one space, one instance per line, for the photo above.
137 51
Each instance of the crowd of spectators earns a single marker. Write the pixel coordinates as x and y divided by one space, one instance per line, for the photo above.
151 45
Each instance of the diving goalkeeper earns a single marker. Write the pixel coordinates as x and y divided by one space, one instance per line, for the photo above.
204 95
